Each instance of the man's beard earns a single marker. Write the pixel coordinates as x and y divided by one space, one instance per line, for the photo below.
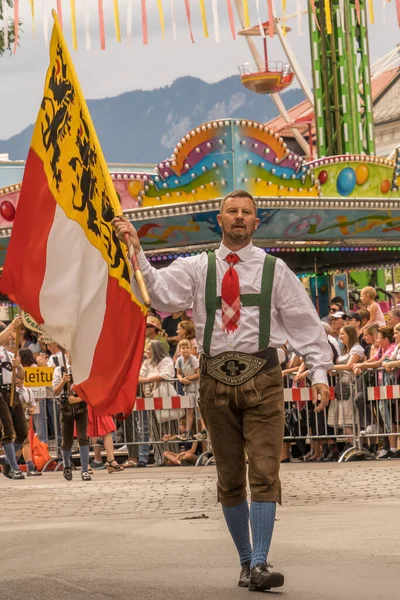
238 235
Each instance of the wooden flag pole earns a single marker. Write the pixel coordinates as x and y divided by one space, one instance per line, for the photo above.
138 273
14 370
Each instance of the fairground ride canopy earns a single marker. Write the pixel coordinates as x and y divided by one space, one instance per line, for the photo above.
332 213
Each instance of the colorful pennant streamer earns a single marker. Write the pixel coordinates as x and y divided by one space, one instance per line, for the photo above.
204 17
315 13
358 11
16 24
371 12
161 16
216 20
173 18
33 18
398 11
73 25
129 22
145 30
284 18
246 13
299 9
328 17
101 24
59 12
271 22
231 18
88 42
189 19
260 25
341 12
116 21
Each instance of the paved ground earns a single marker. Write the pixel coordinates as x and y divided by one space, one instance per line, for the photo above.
158 534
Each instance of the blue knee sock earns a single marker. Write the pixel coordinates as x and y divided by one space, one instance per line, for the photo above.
262 520
84 454
237 519
10 456
67 457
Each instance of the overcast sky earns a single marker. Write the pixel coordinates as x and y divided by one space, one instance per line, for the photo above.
123 67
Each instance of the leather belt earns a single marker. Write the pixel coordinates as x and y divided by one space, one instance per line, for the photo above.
235 368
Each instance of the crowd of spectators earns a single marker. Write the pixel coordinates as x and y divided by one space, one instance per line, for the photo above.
365 352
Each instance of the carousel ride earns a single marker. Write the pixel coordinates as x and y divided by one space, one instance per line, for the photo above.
327 216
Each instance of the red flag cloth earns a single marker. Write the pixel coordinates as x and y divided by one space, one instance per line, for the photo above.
230 295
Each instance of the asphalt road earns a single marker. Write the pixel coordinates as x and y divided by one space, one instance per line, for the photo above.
158 534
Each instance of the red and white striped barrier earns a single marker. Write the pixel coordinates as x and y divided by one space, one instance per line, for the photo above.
301 394
383 392
169 403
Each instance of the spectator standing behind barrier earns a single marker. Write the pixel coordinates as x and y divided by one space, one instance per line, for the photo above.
335 305
387 346
188 374
394 365
376 317
186 331
14 431
29 405
170 325
154 332
241 391
156 372
73 413
341 411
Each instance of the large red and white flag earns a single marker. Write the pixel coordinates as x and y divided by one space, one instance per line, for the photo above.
64 264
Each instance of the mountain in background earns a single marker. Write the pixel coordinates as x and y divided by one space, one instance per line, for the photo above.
145 126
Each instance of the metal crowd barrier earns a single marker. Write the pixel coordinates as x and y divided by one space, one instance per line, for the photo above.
363 409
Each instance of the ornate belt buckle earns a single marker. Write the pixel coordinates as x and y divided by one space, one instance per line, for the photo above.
234 368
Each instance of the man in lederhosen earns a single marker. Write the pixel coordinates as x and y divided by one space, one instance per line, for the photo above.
246 304
12 418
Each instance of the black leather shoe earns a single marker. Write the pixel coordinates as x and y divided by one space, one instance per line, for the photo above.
261 578
244 576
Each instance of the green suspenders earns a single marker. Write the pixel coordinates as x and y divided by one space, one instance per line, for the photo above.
263 300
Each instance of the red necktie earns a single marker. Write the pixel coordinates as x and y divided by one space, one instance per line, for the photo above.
230 295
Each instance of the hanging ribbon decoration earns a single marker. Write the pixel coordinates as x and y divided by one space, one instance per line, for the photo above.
328 17
371 12
173 21
358 11
260 25
16 24
231 18
161 15
144 23
101 25
189 19
87 25
398 11
284 17
5 22
204 18
299 10
271 22
216 20
116 21
73 25
246 13
59 12
45 24
33 18
315 13
129 22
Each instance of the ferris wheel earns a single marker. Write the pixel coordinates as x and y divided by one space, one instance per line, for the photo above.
341 100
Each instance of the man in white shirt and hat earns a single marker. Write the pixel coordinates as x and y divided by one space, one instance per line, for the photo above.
246 305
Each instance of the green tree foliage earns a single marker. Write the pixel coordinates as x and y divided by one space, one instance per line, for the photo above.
11 32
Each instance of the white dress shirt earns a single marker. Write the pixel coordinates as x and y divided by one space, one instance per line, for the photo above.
293 316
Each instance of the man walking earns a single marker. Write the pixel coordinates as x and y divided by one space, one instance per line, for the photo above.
246 304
